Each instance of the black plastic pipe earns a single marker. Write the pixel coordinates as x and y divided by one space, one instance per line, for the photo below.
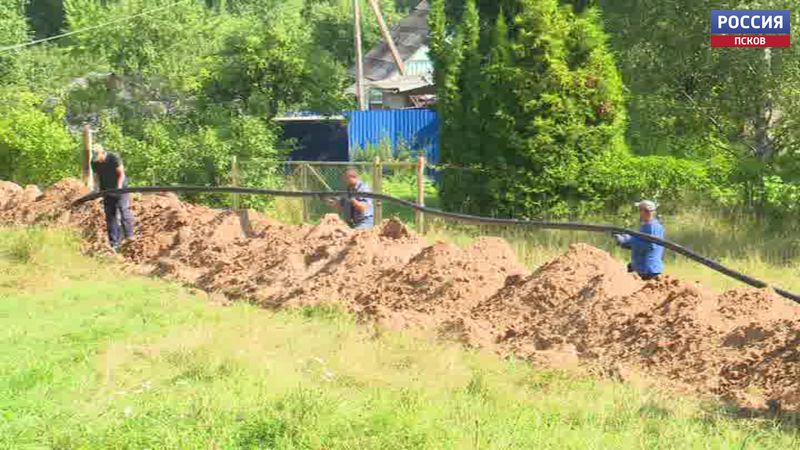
459 217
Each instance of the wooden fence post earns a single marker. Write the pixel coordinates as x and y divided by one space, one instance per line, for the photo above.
377 187
304 184
420 216
88 179
235 181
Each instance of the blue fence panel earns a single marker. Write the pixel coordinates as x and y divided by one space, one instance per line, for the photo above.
417 129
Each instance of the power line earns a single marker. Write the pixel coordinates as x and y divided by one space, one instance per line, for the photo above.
93 27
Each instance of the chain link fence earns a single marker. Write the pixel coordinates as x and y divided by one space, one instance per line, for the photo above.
411 180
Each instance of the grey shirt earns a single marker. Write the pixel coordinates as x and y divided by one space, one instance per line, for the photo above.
352 216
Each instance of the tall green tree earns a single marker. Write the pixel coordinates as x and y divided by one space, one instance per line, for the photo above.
559 106
35 147
732 106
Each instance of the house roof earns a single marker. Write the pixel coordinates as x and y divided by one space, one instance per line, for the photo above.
402 84
397 84
410 34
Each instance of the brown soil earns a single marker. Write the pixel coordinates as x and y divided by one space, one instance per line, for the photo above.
582 307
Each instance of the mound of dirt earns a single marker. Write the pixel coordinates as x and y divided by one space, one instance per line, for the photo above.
582 307
441 284
364 258
31 206
266 266
549 306
8 191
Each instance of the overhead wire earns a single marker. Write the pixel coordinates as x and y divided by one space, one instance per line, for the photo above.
91 28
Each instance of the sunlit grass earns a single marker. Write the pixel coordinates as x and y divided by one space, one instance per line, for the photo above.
95 358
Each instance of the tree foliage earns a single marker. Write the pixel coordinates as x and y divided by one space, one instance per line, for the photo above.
556 103
13 30
177 88
690 100
33 143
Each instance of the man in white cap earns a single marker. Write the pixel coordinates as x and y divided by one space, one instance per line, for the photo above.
647 258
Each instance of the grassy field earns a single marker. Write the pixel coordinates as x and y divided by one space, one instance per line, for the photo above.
92 358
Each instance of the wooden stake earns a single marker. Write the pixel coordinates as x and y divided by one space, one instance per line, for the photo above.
362 103
420 216
306 205
88 178
235 181
377 187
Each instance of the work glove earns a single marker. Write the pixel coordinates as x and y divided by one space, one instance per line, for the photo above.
619 238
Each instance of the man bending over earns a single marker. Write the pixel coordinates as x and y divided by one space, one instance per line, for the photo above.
110 174
355 210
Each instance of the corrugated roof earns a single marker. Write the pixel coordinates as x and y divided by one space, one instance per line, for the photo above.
409 35
402 84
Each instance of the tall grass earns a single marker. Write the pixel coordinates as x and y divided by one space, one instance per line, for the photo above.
93 358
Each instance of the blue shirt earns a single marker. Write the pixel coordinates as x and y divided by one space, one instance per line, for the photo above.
647 258
353 217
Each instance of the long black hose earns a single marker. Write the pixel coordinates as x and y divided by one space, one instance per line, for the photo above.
455 216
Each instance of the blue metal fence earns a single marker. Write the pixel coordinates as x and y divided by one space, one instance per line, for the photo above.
416 129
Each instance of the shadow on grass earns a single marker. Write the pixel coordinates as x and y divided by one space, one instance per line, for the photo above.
787 421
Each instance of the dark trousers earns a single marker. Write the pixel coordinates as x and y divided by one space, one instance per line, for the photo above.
118 218
644 276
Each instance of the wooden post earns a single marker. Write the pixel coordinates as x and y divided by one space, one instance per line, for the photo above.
377 187
387 36
304 184
420 216
235 181
88 179
362 101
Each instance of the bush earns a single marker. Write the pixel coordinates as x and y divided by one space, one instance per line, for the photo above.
35 147
176 152
616 181
781 198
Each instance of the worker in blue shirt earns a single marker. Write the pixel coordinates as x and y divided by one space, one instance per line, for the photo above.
355 209
647 258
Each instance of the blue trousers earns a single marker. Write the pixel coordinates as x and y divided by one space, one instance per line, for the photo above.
118 218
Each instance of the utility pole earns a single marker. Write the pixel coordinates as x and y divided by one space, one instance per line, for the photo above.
362 103
387 36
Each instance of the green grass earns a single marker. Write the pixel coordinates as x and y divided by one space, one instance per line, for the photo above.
93 358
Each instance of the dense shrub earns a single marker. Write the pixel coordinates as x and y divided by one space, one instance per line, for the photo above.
35 147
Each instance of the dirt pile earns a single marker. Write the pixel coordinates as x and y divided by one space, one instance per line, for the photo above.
359 263
441 284
581 307
558 303
31 206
